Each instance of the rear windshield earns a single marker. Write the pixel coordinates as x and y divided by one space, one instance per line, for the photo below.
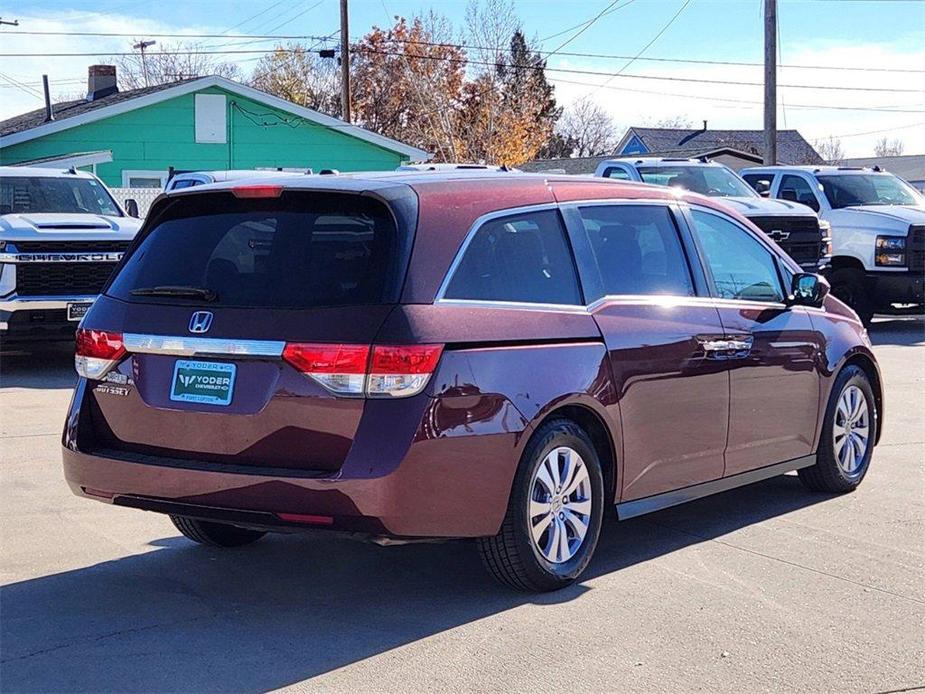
298 251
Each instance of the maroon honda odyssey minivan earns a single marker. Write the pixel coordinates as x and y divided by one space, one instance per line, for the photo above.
497 356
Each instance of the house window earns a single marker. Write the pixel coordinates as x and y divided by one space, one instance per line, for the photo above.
143 179
211 118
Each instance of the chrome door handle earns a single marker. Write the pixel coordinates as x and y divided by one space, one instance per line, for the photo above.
727 347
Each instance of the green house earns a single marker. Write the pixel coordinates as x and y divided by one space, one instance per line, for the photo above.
131 139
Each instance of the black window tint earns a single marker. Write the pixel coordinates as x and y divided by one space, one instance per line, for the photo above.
796 189
741 266
753 179
519 258
299 251
637 249
618 173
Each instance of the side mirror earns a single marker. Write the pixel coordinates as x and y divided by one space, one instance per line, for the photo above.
763 188
807 289
789 194
131 207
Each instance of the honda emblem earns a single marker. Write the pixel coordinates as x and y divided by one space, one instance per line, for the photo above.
200 321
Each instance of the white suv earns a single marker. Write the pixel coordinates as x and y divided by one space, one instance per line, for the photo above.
878 230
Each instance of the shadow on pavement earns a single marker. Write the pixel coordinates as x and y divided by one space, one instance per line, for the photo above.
190 618
49 367
905 331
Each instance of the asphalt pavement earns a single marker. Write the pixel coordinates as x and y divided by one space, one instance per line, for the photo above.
765 588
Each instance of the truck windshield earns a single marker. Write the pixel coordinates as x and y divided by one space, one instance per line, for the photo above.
714 181
851 190
24 194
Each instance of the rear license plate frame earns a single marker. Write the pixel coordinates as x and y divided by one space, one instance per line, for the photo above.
202 383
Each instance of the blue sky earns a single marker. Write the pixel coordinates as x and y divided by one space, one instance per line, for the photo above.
887 34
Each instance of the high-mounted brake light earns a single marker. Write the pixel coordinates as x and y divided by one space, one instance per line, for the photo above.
97 352
378 371
257 191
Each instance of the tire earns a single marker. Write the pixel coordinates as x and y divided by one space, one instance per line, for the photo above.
512 556
829 474
848 285
215 534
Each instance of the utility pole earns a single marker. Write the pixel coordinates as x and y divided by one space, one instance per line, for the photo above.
344 62
770 82
141 45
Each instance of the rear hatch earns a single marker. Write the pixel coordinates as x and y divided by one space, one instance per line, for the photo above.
208 305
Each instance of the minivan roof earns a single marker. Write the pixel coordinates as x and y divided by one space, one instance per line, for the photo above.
41 172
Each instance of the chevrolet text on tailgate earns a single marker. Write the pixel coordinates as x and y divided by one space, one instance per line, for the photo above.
61 236
489 355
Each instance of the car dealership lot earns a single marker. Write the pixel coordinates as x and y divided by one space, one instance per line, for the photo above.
765 588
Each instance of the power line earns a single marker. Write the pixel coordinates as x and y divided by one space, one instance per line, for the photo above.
646 47
699 97
605 12
257 38
584 28
598 73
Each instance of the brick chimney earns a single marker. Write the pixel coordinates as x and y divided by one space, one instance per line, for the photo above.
101 81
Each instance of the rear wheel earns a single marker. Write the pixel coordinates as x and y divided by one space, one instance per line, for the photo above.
215 534
848 285
848 434
554 514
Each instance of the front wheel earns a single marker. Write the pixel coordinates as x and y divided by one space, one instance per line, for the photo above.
848 435
554 514
848 284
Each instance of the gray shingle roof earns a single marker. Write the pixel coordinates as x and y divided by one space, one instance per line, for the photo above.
69 109
792 148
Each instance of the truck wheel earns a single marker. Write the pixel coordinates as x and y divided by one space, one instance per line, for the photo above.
554 514
848 435
848 285
215 534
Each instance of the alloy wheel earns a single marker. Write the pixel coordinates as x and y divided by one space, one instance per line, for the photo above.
851 430
560 505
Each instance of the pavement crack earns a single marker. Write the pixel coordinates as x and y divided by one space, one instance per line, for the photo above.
787 562
101 637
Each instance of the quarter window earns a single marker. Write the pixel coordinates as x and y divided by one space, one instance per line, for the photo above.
742 268
617 173
637 249
522 258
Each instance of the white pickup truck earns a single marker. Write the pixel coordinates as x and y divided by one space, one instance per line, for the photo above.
796 228
878 231
61 235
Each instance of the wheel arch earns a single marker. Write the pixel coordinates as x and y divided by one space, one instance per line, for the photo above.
869 367
593 423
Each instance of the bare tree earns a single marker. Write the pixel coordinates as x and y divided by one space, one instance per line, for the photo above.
672 122
296 74
170 63
888 148
830 149
589 127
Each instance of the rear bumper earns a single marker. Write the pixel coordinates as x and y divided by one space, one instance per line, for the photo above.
433 486
38 318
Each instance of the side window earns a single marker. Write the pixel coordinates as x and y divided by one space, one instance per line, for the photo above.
617 172
742 268
761 182
796 189
523 257
637 249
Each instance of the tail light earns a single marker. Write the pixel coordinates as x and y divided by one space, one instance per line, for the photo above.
378 371
98 351
257 191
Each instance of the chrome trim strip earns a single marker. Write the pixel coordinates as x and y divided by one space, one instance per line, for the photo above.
191 346
63 257
27 303
518 305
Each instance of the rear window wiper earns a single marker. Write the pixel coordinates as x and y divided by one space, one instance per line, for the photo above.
188 292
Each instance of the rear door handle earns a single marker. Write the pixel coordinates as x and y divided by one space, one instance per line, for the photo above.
727 347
